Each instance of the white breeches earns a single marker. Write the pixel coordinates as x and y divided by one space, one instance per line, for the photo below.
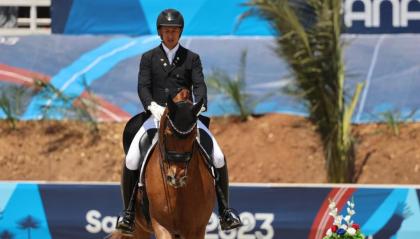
132 158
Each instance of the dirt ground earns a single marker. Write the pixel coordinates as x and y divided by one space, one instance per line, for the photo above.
272 148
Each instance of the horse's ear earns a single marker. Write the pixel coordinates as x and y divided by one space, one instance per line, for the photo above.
171 104
197 107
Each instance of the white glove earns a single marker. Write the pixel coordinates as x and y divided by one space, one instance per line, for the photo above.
157 110
201 110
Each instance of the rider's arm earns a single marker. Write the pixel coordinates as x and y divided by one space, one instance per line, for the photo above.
199 86
144 87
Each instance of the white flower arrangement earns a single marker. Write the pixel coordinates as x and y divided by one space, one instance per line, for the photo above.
346 230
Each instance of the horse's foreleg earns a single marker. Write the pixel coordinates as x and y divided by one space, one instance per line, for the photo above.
138 234
197 234
160 231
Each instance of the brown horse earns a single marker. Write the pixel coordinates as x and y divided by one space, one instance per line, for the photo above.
179 185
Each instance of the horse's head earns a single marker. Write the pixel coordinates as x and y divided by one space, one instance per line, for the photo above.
178 130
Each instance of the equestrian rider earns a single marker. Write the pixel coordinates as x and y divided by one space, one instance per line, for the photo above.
164 70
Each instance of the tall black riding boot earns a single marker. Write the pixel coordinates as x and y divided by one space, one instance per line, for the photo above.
129 181
228 219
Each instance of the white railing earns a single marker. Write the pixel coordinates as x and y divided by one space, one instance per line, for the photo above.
31 25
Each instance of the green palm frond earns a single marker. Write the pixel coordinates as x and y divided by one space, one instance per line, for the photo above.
13 101
235 88
394 119
309 40
85 109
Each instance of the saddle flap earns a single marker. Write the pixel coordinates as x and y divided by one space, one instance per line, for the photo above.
147 143
205 142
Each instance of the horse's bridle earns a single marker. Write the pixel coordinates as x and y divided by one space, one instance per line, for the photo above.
170 156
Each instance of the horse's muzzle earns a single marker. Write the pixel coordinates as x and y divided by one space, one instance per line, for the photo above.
176 182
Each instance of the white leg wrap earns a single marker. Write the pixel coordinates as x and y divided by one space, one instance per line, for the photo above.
218 157
132 158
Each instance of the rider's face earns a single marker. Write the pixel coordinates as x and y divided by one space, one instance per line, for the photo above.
170 35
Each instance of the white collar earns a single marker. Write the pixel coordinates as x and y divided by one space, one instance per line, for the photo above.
170 53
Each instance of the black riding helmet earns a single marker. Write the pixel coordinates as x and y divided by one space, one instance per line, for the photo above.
170 17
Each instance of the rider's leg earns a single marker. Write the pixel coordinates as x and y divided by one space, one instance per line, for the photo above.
130 180
132 159
228 218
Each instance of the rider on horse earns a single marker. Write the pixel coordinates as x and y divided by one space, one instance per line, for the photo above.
163 71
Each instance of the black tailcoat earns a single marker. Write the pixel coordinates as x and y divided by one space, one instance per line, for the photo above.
158 79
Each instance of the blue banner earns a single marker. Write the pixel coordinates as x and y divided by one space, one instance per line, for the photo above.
134 17
61 211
